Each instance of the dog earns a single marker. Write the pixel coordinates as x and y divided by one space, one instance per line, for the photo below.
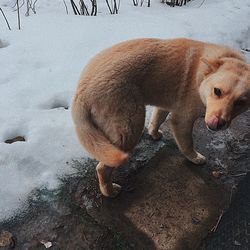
185 77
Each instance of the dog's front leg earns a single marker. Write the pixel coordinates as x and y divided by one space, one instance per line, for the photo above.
157 118
182 127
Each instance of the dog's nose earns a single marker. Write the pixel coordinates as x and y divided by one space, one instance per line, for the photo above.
216 123
221 124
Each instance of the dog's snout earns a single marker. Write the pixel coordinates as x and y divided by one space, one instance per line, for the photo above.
216 123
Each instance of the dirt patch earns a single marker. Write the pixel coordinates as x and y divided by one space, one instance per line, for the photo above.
15 139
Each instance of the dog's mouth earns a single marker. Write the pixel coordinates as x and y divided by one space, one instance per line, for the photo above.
215 124
217 129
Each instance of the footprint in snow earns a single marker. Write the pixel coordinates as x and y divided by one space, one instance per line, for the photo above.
57 102
59 105
3 44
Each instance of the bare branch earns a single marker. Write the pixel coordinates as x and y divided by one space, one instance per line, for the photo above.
113 6
34 6
74 7
135 2
94 8
83 8
18 14
20 6
66 8
30 6
119 4
110 10
202 3
5 19
173 3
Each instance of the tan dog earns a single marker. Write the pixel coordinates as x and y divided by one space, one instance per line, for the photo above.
181 76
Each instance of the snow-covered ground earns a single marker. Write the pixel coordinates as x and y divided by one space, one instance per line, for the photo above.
40 66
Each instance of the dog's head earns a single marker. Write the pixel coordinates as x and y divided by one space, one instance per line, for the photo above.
225 91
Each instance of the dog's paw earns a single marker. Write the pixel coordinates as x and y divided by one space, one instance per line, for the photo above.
156 135
116 190
112 191
199 159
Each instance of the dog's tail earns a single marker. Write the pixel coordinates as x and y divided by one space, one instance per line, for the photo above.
94 140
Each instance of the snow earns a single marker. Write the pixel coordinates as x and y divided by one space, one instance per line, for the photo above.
40 66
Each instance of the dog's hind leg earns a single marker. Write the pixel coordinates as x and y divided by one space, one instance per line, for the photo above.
104 174
157 118
124 130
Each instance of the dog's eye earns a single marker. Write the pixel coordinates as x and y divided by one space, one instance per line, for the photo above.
217 92
240 103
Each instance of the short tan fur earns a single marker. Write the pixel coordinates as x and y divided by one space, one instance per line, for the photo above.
185 77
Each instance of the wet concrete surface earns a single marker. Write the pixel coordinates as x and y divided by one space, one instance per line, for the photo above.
166 202
233 231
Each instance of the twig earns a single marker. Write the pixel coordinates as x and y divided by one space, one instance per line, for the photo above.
31 6
74 7
238 175
112 7
115 8
28 9
18 14
201 3
135 2
5 19
109 7
245 50
83 8
19 6
34 7
94 8
66 8
218 222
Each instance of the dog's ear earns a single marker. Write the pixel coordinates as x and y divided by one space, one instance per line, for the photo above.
213 65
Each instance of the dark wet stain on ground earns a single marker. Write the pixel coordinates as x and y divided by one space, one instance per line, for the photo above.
166 202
